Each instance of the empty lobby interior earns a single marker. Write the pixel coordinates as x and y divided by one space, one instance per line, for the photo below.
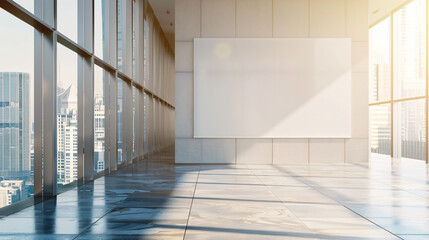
214 119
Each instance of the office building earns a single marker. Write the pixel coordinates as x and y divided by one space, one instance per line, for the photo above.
15 135
12 191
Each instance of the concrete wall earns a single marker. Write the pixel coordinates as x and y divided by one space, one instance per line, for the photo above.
271 19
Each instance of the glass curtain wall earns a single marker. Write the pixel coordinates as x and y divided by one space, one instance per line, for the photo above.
99 118
81 140
134 91
67 18
67 115
120 120
16 110
122 27
398 83
27 4
100 12
159 86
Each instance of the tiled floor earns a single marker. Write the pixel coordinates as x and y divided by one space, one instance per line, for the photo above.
158 200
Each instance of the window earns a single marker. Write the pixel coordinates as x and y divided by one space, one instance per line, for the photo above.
101 24
122 14
99 116
380 129
134 117
125 36
66 114
120 120
67 18
146 52
411 127
406 109
85 56
410 50
146 118
134 37
380 62
16 110
27 4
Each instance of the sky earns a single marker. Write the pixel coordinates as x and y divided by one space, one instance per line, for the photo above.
17 51
18 36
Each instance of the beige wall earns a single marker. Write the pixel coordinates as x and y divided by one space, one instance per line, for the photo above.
271 19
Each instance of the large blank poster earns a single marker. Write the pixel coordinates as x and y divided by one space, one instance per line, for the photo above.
272 88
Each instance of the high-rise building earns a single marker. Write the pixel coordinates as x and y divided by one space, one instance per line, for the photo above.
12 191
15 164
63 98
99 133
70 164
66 145
14 125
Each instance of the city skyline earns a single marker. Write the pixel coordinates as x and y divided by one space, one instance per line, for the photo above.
409 81
15 138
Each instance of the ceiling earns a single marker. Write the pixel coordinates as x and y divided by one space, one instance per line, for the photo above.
164 12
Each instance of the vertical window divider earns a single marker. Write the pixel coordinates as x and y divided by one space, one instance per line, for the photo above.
427 82
392 128
113 136
88 120
38 166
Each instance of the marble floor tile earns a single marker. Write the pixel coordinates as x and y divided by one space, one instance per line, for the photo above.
406 226
159 200
414 237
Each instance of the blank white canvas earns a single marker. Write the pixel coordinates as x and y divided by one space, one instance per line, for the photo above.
272 88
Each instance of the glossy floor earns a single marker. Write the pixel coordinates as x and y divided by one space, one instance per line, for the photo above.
158 200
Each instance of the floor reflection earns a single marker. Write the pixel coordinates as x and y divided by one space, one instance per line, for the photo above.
159 200
45 213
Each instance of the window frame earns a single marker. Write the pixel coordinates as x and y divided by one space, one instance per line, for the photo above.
394 100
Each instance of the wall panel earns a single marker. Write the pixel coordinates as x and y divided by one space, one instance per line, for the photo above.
290 18
327 18
187 19
254 18
280 18
218 18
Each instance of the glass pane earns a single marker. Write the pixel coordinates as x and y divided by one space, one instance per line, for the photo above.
67 18
412 129
66 115
134 116
134 38
380 129
146 52
410 50
100 28
121 31
120 118
99 115
145 122
16 110
380 62
27 4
